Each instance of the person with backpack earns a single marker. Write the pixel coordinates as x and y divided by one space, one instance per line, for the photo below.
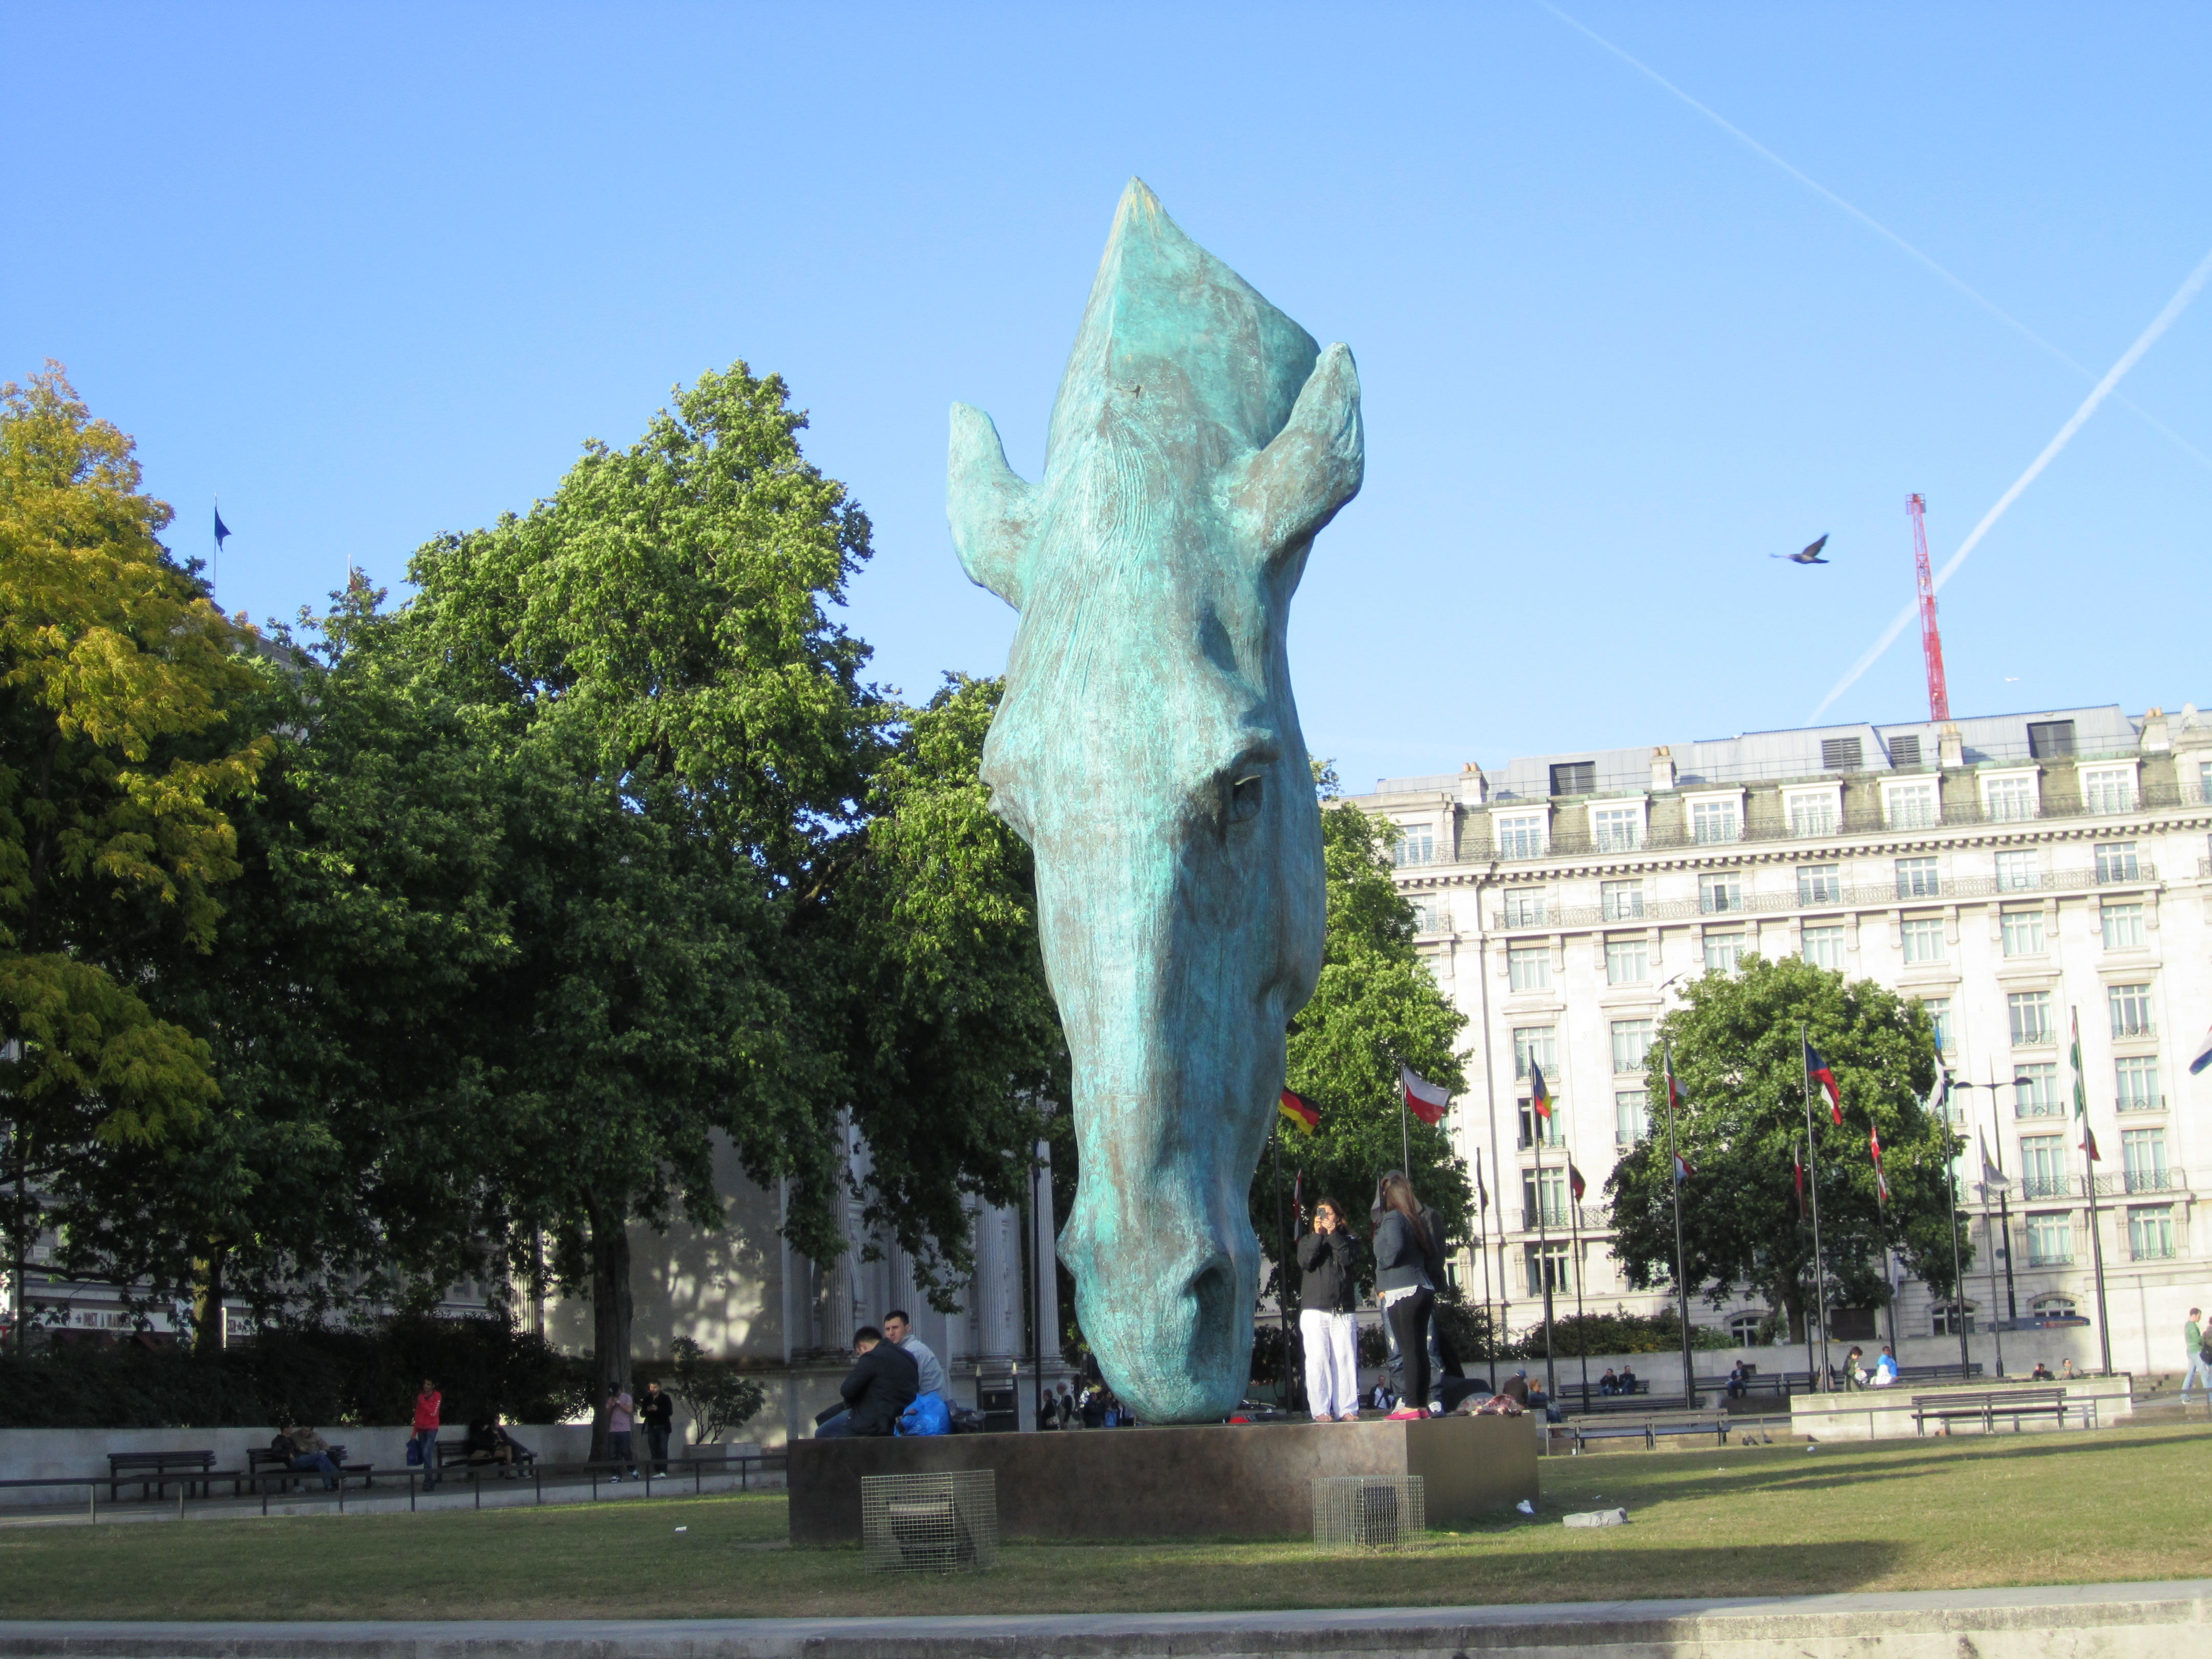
2199 1351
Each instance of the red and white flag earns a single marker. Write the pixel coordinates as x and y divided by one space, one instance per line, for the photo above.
1424 1099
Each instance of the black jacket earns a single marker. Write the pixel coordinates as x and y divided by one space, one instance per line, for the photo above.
881 1384
657 1411
1400 1261
1326 1281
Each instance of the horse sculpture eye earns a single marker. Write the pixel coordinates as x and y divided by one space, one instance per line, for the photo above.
1244 800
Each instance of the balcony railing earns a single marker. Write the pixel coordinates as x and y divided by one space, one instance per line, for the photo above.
2142 1102
2116 1185
2037 1109
2149 1181
2050 1185
1567 1217
2135 1028
1568 839
1875 895
2062 1258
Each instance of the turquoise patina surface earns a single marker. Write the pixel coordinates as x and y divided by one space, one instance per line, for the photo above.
1148 750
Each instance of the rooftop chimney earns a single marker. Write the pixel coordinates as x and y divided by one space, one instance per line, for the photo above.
2154 739
1663 768
1474 787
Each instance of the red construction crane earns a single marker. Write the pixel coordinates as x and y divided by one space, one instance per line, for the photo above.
1931 641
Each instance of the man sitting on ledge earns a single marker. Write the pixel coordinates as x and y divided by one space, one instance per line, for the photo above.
882 1384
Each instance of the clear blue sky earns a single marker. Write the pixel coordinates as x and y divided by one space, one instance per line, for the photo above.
372 272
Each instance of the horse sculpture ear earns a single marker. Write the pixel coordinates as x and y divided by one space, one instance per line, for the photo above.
991 509
1285 493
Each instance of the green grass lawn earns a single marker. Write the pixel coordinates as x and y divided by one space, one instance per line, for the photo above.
1925 1515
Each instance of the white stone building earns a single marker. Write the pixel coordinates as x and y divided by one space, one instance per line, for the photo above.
2007 872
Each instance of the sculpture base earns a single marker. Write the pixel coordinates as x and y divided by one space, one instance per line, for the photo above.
1215 1480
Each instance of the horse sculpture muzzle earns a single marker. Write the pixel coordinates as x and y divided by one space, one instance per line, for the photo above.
1148 750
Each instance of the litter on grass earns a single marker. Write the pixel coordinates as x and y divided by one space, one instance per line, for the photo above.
1598 1518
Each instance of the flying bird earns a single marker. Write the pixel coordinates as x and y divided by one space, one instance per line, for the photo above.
1810 556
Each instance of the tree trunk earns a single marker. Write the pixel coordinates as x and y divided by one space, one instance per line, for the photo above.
611 1317
207 1302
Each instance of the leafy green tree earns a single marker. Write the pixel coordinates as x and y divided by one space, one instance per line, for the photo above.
120 754
1376 1005
1738 1062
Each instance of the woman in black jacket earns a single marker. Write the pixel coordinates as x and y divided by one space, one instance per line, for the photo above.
1328 1260
1408 1266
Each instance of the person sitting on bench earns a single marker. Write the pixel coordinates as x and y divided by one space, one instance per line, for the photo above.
1627 1379
1738 1378
881 1385
488 1441
311 1454
1608 1384
1885 1369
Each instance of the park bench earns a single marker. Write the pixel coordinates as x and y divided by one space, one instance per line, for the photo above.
455 1453
265 1463
153 1470
1648 1430
1990 1404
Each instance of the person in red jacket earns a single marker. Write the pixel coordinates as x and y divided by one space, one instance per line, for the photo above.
426 1431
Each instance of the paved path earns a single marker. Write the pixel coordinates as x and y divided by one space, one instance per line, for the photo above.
2115 1621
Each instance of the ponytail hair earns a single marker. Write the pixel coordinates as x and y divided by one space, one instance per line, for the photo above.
1396 1193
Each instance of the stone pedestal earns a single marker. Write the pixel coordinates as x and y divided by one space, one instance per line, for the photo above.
1219 1480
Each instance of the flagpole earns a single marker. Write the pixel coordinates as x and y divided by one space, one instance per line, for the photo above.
1282 1254
1575 1236
1482 1233
1538 1123
2089 1186
1682 1278
1812 1372
1958 1268
1812 1185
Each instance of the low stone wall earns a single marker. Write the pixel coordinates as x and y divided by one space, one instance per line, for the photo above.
1887 1414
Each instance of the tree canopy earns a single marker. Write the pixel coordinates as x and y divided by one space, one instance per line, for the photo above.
1738 1062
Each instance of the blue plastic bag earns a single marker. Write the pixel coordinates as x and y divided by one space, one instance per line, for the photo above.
927 1415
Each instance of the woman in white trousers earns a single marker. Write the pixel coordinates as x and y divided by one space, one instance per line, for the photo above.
1328 1260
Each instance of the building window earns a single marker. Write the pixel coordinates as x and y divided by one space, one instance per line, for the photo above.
1916 878
2023 933
2135 1080
1520 837
1631 1043
2116 861
1617 829
2051 1239
1905 751
1574 777
1744 1329
1631 1116
1939 1020
1620 901
1417 844
1819 883
1812 811
2029 1012
1714 821
2035 1090
2053 1307
1912 806
1924 939
2016 873
1720 891
2143 1159
2108 789
1841 754
1950 1318
2123 926
1430 917
1524 907
2008 800
2050 739
2043 1166
1722 952
1532 1127
2150 1231
1537 1045
1548 1269
2131 1010
1528 967
1824 946
2204 792
1628 961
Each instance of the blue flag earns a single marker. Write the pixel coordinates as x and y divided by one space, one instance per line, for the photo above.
222 530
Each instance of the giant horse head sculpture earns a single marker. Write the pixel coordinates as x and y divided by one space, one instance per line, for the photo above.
1148 750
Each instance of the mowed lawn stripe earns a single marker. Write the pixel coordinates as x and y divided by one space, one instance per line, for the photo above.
1924 1515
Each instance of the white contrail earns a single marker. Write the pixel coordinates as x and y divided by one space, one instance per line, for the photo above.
1863 217
2159 325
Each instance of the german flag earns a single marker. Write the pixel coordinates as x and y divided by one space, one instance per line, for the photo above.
1299 1111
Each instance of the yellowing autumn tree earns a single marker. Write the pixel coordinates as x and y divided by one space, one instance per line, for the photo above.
122 691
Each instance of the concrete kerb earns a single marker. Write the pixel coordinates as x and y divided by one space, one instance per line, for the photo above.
2109 1621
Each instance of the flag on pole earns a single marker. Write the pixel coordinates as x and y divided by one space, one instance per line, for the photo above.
1540 1092
1817 1069
1992 1176
2082 1095
1424 1099
1939 1093
1797 1177
2090 1143
1481 1192
1667 1071
1683 1169
1299 1111
1576 1184
1880 1181
222 530
2203 1056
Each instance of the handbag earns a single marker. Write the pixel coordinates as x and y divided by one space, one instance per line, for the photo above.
414 1454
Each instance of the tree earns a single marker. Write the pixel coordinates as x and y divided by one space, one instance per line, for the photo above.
1737 1061
121 749
1375 1005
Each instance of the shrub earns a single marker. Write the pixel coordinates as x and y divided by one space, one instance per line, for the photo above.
719 1398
